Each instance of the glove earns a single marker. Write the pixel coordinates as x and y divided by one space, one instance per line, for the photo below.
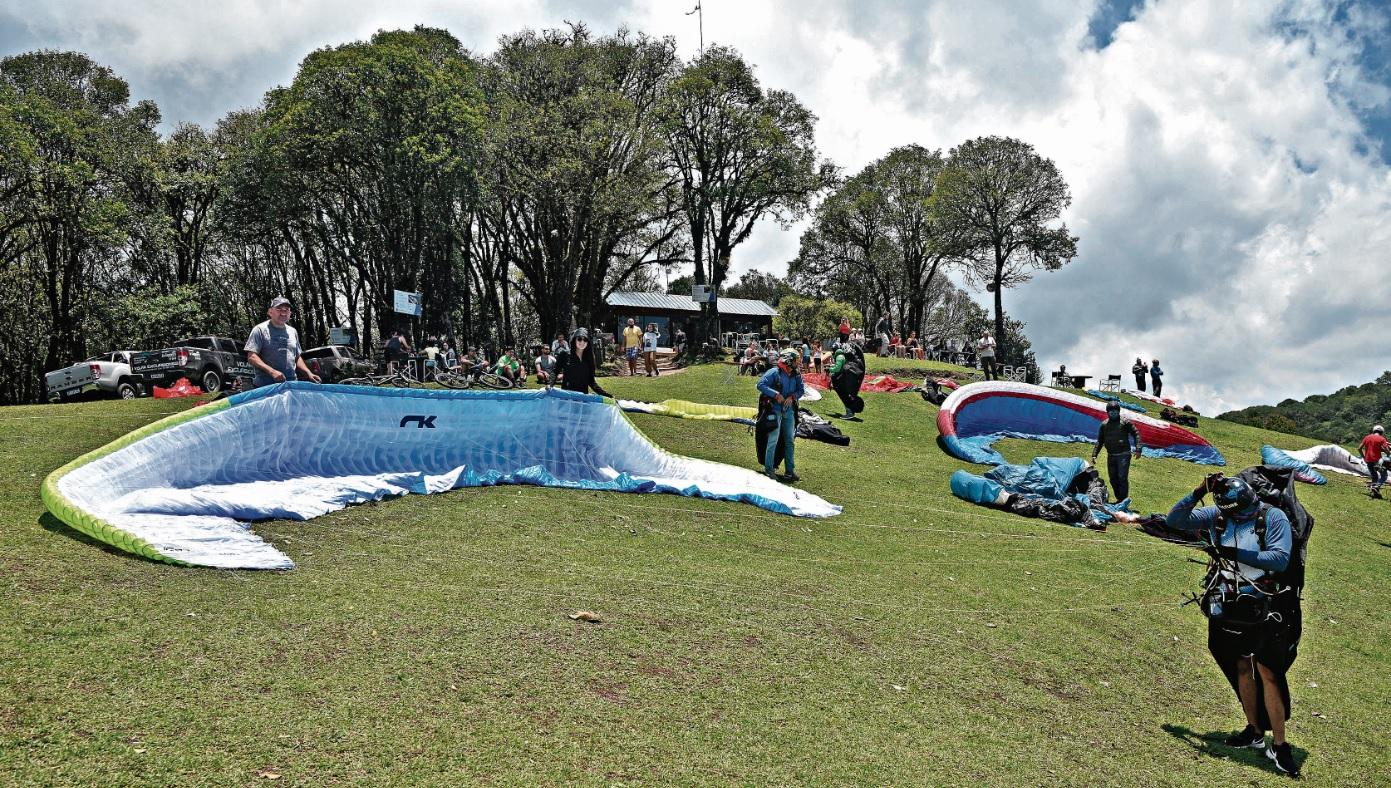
1209 482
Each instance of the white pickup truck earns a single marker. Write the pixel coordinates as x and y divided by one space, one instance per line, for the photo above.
108 372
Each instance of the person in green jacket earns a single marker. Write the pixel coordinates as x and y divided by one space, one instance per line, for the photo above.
509 367
1116 435
847 373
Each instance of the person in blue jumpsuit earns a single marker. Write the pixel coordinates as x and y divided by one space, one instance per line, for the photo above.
1245 564
783 385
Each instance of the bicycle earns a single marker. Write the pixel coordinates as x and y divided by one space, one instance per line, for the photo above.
401 378
479 374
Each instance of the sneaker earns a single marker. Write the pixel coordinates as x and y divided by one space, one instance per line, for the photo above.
1251 736
791 477
1283 757
1376 493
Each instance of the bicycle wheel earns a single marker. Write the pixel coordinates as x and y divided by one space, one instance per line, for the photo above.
452 381
494 381
367 381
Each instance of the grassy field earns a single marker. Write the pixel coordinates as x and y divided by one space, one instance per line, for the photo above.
915 639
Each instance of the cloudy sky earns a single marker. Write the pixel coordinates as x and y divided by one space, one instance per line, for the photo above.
1228 161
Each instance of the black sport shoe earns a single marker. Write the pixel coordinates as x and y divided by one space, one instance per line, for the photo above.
1283 757
1251 736
791 477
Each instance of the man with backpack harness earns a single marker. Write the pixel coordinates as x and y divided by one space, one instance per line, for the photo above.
1250 601
1116 435
847 373
780 388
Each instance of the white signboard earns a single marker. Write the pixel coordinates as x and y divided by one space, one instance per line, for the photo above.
341 335
407 303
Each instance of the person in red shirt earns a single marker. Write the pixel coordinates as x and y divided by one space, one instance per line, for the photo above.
1373 447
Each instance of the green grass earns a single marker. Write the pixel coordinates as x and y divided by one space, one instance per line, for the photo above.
913 639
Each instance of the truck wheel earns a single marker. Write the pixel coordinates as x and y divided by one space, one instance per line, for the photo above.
212 381
127 390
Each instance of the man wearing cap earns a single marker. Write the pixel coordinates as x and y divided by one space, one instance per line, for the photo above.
1373 447
273 348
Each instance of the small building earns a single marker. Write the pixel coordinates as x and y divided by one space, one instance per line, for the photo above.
740 315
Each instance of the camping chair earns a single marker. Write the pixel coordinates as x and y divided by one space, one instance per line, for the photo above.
1111 383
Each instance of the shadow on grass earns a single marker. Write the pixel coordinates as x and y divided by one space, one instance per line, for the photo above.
1213 744
55 526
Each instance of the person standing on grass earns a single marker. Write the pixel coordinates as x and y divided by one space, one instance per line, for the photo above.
1139 370
844 330
273 348
632 345
881 332
1116 435
985 351
1249 543
781 387
649 350
1156 377
578 372
1373 447
847 373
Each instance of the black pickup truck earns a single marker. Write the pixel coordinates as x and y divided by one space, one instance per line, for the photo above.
211 363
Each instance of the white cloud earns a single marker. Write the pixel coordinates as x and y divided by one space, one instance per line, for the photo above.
1230 224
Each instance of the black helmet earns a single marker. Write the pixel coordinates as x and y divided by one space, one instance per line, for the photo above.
1235 498
1113 408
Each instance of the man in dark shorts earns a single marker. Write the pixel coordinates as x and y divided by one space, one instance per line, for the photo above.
1249 543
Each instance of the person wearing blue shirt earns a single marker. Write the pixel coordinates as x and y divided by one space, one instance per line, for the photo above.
1245 565
783 385
1156 377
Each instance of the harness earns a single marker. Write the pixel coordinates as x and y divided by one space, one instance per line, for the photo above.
1230 596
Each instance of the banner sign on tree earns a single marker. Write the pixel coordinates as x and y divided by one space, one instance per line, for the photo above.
407 303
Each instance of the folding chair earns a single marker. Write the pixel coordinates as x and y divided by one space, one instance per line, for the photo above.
1111 383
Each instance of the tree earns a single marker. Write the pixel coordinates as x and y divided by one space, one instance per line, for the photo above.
760 286
578 196
815 318
681 285
74 149
998 200
189 168
874 240
740 153
361 164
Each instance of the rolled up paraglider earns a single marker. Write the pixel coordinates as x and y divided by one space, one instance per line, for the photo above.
977 415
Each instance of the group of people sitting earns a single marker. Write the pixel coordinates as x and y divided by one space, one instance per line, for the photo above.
757 357
549 366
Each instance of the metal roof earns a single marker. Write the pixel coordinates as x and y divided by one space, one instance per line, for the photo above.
654 301
728 306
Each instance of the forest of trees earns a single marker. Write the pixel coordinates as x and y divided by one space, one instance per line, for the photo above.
515 191
1344 416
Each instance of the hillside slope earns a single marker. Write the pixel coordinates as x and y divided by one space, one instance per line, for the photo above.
1341 417
914 639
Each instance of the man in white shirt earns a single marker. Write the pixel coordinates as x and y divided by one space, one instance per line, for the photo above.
649 350
985 350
